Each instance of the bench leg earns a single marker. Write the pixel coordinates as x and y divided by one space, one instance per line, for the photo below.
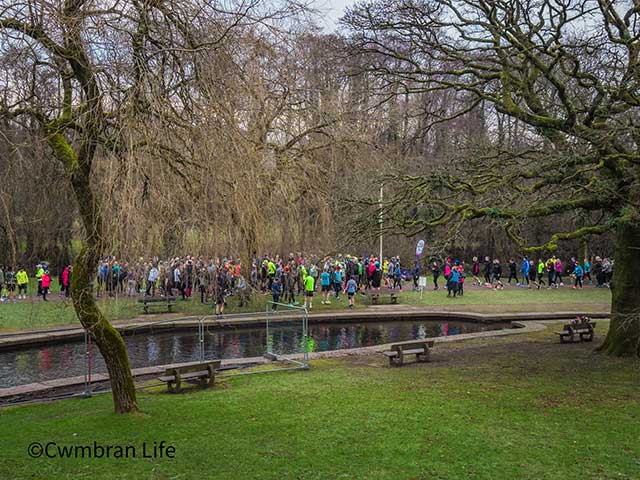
178 388
397 361
586 337
423 357
566 338
170 388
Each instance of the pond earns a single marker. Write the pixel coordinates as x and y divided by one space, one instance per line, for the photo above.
35 364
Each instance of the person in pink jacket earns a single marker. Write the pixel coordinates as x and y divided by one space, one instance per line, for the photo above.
558 268
46 283
66 280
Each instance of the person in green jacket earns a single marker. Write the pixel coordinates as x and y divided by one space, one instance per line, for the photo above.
39 273
541 269
309 283
23 281
271 273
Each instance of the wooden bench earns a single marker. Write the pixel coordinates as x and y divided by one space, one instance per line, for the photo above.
204 373
375 295
583 330
160 302
419 348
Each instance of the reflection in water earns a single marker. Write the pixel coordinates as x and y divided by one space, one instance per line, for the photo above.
146 349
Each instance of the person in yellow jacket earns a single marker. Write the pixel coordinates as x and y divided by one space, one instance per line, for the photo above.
23 281
39 274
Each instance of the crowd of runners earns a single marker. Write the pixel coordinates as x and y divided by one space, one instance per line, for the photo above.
294 279
524 272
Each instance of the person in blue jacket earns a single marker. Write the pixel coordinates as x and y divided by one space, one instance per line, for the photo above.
578 272
452 282
587 270
524 268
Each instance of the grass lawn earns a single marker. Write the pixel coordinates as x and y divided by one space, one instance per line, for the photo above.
34 312
523 407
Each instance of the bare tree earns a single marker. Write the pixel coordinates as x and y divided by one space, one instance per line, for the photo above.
90 73
568 71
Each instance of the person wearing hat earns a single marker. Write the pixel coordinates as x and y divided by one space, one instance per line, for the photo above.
475 271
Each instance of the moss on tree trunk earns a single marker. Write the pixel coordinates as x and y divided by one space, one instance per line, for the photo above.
108 339
623 338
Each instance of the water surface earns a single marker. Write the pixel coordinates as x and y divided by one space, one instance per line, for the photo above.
36 364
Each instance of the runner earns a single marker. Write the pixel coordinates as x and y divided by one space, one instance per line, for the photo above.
350 289
10 284
541 270
497 274
46 283
488 271
308 287
452 282
524 268
577 273
23 281
397 276
221 290
337 281
461 277
475 270
513 272
151 281
325 286
551 273
276 291
435 268
558 270
587 270
66 281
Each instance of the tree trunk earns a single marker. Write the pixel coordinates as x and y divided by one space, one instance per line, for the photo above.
623 338
108 339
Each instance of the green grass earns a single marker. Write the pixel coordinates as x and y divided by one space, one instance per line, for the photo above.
487 409
35 313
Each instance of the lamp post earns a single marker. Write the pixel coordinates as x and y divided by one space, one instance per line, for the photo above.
380 223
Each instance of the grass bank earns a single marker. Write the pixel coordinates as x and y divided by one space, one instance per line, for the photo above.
523 407
33 313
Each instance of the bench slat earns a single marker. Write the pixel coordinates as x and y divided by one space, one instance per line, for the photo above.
413 351
184 376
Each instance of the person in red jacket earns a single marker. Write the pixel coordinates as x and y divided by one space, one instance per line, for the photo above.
66 280
46 283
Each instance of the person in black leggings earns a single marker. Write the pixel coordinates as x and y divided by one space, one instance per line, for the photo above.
435 268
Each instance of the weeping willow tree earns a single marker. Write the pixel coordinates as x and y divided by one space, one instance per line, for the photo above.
570 72
94 79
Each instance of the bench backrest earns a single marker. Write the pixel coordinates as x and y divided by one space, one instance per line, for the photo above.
384 290
411 345
159 300
193 367
580 326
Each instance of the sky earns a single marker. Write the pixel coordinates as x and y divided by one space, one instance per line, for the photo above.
332 10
